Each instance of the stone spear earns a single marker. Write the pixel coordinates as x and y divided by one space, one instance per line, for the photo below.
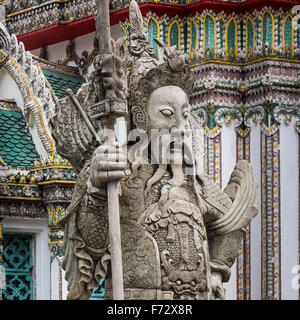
110 109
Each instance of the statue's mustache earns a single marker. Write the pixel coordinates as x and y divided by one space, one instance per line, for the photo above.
174 151
161 146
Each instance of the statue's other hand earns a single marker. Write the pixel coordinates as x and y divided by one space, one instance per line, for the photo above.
217 286
108 164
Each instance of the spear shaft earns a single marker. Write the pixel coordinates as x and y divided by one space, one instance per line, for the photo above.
105 48
103 26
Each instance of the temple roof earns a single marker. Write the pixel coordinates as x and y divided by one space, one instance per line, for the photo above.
60 82
40 23
16 145
60 77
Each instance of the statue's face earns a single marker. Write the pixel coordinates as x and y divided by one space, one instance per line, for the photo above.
168 112
168 108
136 45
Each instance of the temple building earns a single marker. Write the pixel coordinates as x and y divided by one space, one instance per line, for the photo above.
246 59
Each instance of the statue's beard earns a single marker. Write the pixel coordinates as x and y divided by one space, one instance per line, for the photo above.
178 157
176 161
181 154
172 153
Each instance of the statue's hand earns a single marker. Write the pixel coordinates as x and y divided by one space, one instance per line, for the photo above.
217 286
108 164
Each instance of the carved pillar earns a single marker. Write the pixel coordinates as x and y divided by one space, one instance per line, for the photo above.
56 178
213 150
270 206
56 209
243 263
258 41
240 37
200 39
277 33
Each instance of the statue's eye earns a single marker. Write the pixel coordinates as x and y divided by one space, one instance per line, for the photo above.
185 114
166 112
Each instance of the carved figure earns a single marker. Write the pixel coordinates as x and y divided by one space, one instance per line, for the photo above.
180 231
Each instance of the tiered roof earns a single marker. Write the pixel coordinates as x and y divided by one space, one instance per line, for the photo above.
60 77
60 82
16 145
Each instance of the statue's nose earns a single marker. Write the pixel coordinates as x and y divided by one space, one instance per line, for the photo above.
133 43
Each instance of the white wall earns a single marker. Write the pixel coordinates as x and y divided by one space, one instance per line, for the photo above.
255 234
289 168
228 164
57 52
39 229
57 281
9 90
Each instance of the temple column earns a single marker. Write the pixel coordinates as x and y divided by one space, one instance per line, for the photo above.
56 211
270 208
213 165
56 178
243 259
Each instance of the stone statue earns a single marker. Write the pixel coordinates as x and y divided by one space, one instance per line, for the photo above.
180 231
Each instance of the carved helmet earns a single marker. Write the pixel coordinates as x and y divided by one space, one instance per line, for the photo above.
151 72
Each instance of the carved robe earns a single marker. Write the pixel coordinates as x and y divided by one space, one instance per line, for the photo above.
170 236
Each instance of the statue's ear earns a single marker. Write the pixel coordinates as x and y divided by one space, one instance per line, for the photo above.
118 45
160 55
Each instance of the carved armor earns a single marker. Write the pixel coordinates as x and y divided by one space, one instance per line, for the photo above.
166 249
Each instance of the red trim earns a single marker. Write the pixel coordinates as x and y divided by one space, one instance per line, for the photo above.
58 33
249 6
